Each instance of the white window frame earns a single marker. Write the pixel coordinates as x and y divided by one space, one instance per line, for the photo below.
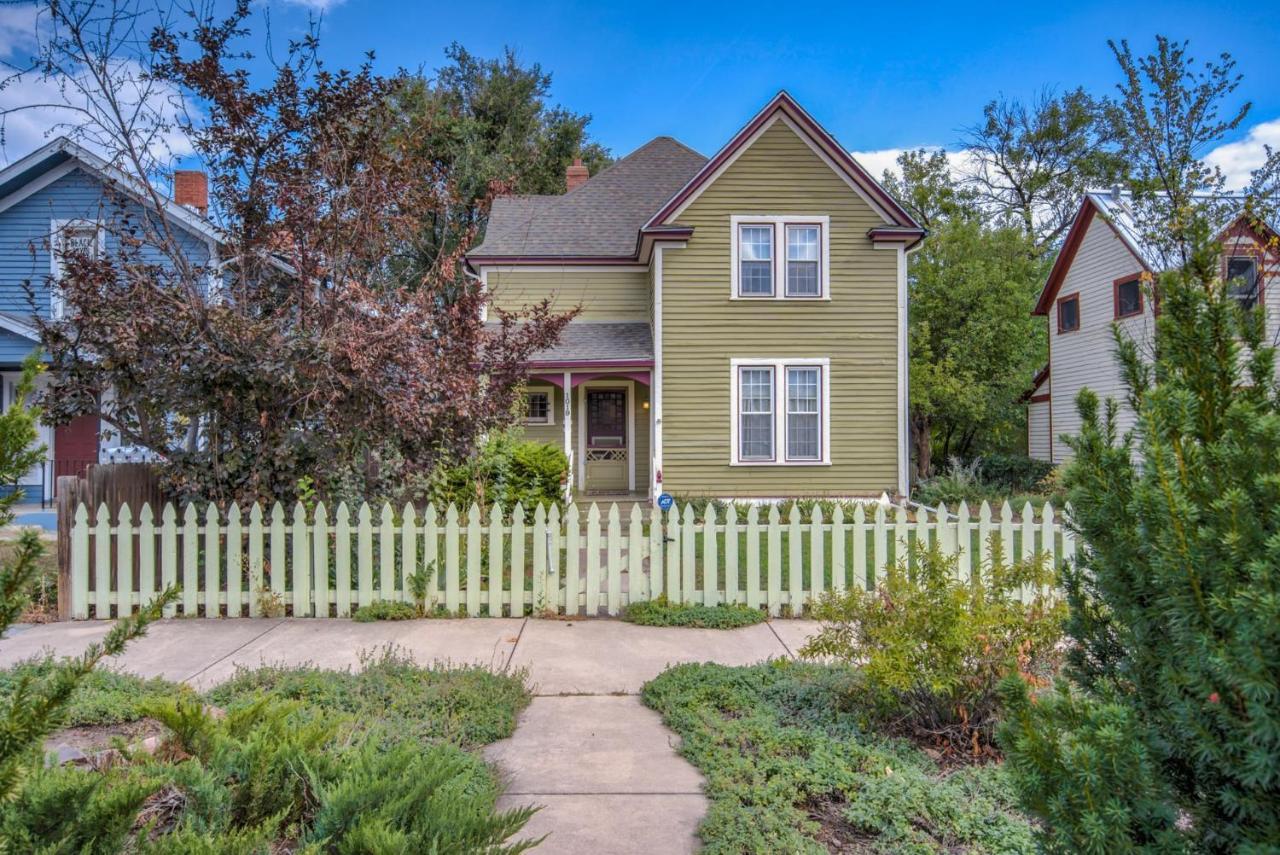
57 305
779 222
780 366
549 391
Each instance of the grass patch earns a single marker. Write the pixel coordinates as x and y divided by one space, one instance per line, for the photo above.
468 706
43 594
102 698
791 767
660 612
384 610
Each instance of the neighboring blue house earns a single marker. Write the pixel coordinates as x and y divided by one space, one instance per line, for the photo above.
62 195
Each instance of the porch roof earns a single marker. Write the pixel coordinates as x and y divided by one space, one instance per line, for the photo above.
592 342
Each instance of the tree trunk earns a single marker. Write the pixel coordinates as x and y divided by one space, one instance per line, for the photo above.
921 434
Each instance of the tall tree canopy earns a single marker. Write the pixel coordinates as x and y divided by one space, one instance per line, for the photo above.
305 349
491 128
974 343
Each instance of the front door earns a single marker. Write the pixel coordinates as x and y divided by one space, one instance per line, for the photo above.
606 454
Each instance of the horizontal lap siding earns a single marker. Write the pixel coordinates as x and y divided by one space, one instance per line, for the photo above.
702 330
1038 430
604 295
25 230
552 434
1086 359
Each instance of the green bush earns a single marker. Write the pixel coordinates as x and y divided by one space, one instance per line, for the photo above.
101 697
933 648
1175 596
790 769
661 612
505 470
384 610
994 478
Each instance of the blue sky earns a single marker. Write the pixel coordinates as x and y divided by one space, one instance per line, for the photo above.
880 76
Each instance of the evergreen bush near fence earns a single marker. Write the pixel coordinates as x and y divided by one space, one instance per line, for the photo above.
324 563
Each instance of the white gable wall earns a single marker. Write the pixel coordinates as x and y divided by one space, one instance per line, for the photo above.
1086 358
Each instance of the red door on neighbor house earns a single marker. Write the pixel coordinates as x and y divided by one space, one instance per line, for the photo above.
75 446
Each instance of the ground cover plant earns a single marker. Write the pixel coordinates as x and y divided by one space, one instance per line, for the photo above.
661 612
791 767
282 759
384 610
102 697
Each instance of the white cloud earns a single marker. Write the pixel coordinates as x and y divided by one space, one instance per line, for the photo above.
878 160
315 5
1238 159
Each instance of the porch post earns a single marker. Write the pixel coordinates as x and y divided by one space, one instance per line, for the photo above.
568 430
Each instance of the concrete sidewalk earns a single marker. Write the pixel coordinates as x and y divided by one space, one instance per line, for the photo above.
601 766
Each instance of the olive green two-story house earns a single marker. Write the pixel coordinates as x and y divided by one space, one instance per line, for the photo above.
742 330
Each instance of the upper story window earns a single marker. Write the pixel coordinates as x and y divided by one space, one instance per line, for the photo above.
755 261
537 407
1128 297
66 237
780 257
1242 280
1069 313
780 411
803 245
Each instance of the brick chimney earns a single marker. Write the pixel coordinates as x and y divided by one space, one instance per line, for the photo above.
576 175
191 189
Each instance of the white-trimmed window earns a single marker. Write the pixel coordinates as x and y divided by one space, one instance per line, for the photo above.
65 236
755 260
780 411
537 406
780 257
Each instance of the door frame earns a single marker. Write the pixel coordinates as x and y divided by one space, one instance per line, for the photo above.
630 387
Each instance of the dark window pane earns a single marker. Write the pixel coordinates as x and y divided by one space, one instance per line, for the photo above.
1069 315
1242 281
1128 298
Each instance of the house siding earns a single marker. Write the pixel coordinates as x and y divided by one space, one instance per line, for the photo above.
1038 429
1087 358
25 230
857 329
554 434
604 295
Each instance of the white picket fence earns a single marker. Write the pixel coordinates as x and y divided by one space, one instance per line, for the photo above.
323 564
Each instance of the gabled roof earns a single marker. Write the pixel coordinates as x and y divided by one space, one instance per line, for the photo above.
601 218
1116 210
615 215
898 224
18 179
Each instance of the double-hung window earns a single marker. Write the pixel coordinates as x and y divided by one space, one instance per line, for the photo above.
780 257
780 411
755 260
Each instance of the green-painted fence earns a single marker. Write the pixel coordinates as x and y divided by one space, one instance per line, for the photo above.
325 564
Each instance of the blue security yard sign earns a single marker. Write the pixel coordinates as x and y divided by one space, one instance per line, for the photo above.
665 501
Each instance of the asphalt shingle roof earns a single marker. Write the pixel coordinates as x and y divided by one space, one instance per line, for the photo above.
600 218
593 341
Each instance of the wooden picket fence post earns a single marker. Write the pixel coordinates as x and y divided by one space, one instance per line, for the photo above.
310 562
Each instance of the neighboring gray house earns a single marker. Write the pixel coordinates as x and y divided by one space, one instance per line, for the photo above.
1102 277
58 196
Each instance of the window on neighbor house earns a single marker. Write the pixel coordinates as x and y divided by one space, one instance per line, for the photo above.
1242 280
69 237
755 261
803 279
537 408
755 413
1069 314
1128 298
780 402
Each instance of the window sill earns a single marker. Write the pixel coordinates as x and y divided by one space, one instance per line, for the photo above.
779 463
737 299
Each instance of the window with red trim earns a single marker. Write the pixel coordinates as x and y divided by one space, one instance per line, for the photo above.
1128 297
1069 313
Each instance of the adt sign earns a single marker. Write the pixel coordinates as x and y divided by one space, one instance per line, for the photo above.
665 501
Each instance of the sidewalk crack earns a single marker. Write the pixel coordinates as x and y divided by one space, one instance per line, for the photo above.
233 652
788 650
511 657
